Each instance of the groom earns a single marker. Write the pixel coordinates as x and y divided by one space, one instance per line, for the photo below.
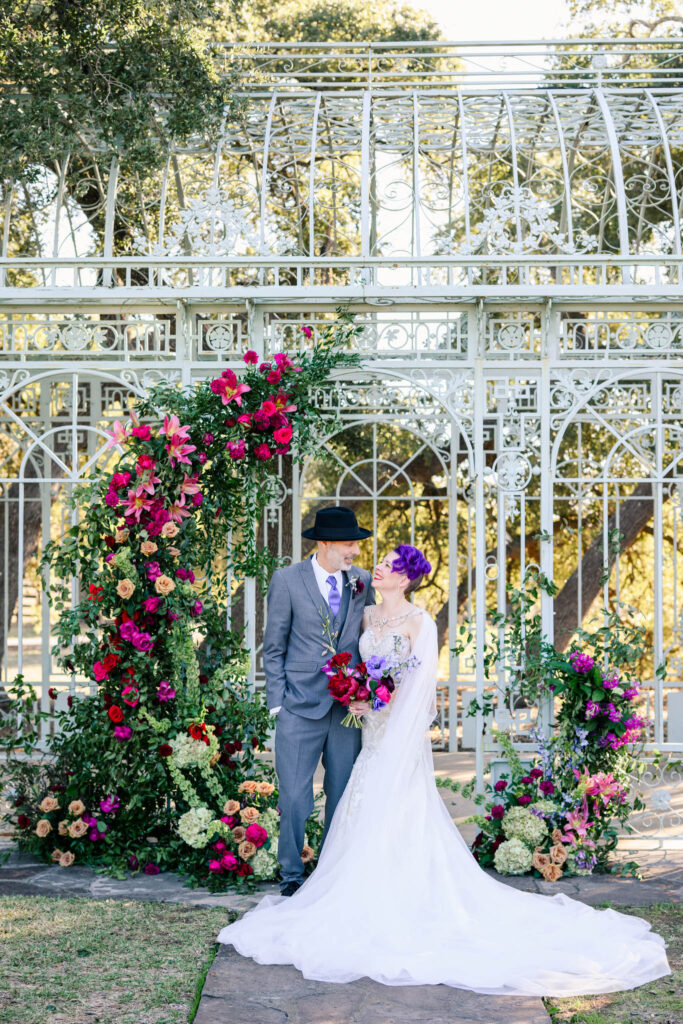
313 606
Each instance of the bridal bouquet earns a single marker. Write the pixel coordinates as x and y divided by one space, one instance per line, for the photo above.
372 682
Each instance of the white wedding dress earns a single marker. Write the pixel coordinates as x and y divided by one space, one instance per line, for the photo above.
398 897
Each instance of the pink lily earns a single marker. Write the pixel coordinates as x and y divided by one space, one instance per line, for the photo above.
190 485
178 451
228 393
282 403
172 428
136 505
177 512
117 435
577 820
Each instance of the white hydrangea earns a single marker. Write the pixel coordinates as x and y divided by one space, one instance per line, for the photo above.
188 752
192 826
270 821
520 823
513 858
543 804
264 862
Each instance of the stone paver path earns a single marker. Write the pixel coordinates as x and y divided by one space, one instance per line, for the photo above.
238 991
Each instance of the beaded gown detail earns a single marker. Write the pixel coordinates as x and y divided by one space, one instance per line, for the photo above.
398 897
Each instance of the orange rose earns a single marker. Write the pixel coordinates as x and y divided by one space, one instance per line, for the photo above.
552 872
125 589
246 850
121 535
148 547
239 833
67 859
307 854
76 807
164 585
540 861
56 854
249 815
249 786
556 836
77 828
558 853
231 807
43 828
169 529
264 788
62 828
48 804
173 550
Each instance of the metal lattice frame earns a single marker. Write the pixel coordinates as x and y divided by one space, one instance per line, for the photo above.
509 236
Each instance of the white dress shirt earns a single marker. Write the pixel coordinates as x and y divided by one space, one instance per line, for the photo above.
324 588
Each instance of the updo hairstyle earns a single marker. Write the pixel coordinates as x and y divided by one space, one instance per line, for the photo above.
412 563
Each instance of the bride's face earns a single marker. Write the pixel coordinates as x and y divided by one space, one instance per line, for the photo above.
385 580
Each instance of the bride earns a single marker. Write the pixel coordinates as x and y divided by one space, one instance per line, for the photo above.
398 897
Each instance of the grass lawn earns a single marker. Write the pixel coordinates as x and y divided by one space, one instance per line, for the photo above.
661 1002
79 961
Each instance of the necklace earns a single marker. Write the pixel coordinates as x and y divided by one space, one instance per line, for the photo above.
381 622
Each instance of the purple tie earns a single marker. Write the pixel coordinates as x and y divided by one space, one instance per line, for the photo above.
334 598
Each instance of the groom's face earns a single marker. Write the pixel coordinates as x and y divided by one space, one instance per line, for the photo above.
336 555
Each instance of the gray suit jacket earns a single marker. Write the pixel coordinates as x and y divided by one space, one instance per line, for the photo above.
294 648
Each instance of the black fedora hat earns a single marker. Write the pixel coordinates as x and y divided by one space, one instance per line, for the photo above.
336 522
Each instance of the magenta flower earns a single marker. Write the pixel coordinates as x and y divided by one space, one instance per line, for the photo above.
152 571
250 357
546 787
256 834
282 361
307 332
110 804
220 845
143 433
122 732
592 709
613 713
165 691
130 695
135 505
229 861
178 451
535 773
263 452
227 387
197 499
133 862
128 630
581 663
610 681
151 869
151 604
119 480
524 800
99 671
143 641
207 439
111 498
215 867
196 609
500 786
630 693
236 449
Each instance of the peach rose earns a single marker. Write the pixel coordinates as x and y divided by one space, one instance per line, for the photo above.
307 854
552 872
77 828
556 836
148 547
231 807
170 529
63 827
239 833
172 550
164 585
121 535
246 850
56 854
249 786
43 828
558 853
125 589
76 807
48 804
540 861
249 815
264 788
67 859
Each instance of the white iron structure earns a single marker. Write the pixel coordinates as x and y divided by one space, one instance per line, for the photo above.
505 220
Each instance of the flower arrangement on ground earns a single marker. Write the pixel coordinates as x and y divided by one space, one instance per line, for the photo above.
173 731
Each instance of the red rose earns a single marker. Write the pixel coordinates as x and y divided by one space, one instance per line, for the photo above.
111 661
52 693
342 658
198 732
244 870
108 700
165 750
23 821
342 688
255 741
115 713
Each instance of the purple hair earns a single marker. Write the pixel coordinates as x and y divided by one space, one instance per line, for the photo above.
410 562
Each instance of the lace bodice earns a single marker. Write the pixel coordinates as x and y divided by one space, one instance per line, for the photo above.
389 645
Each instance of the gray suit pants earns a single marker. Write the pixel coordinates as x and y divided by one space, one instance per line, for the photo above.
299 744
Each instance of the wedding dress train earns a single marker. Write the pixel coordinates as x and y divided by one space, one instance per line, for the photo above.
398 897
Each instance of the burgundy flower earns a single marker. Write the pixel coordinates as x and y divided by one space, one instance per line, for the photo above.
244 870
546 787
23 821
255 742
133 862
500 786
497 811
526 779
524 800
165 750
535 773
151 869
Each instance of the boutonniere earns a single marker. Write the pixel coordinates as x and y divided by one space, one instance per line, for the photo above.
356 585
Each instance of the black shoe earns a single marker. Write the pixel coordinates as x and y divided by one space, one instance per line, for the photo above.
290 888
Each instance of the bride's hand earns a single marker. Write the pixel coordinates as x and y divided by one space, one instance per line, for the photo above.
358 707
